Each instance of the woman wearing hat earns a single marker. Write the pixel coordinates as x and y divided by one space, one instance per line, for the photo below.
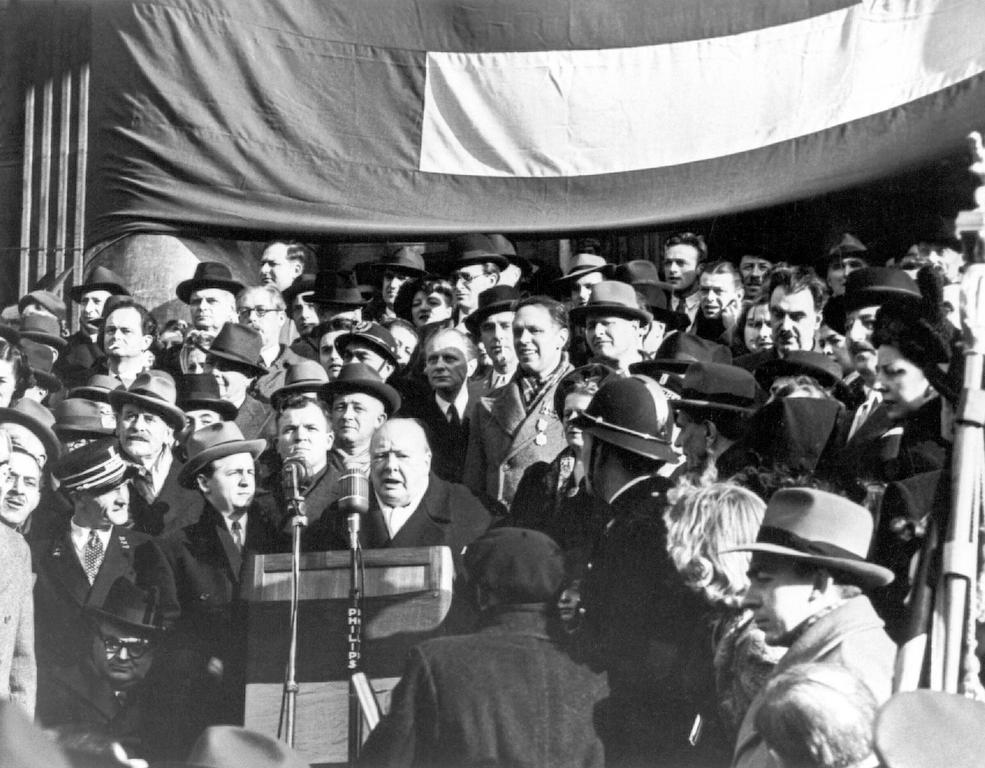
14 373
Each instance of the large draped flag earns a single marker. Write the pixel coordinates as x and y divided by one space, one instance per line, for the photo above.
387 118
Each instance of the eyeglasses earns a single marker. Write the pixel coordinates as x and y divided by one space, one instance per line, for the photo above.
136 647
465 277
262 312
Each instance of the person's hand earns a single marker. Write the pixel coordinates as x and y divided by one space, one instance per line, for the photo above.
973 308
730 313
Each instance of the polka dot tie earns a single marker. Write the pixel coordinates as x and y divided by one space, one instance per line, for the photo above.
92 555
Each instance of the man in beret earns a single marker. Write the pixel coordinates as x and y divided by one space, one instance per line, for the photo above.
509 694
808 579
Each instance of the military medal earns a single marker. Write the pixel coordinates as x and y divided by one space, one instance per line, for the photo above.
541 438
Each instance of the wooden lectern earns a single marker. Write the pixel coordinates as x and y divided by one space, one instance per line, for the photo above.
407 594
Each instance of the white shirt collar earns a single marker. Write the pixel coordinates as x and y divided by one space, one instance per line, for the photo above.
80 536
396 517
461 402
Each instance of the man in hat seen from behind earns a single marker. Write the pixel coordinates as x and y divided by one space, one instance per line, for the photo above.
83 348
808 579
207 559
509 694
234 360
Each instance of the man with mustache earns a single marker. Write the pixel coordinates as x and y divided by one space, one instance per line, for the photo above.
754 266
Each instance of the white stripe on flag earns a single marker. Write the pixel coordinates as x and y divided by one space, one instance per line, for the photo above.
574 113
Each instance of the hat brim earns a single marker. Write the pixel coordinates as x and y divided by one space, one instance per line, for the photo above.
579 315
868 574
186 475
340 303
468 259
50 441
377 268
226 410
685 404
474 321
294 290
76 292
877 296
654 368
96 394
45 338
676 321
652 448
132 626
343 341
232 358
605 269
297 388
187 287
378 389
172 415
77 432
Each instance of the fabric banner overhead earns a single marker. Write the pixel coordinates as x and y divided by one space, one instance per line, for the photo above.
410 119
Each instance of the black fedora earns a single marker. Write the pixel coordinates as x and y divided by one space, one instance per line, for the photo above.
638 272
583 264
492 301
302 284
359 377
678 351
131 608
404 260
336 289
823 369
715 387
875 286
238 344
97 388
475 249
99 279
209 274
200 392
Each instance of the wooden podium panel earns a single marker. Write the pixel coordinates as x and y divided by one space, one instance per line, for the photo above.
406 597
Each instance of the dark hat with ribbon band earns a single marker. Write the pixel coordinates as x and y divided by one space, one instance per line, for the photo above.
800 362
215 441
99 279
823 528
611 298
131 608
200 392
715 387
41 360
208 274
302 284
492 301
79 418
43 329
336 289
507 250
678 351
238 344
153 391
875 286
404 260
39 421
373 335
474 249
519 566
302 377
94 468
583 264
359 377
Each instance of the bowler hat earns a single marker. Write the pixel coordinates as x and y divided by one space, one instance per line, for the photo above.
212 442
132 608
336 289
917 729
97 388
716 387
611 297
200 392
499 298
229 746
46 299
304 376
519 566
302 284
99 279
41 360
94 468
678 351
801 362
813 526
359 377
39 421
596 373
79 418
475 249
152 391
43 329
238 344
372 334
875 286
583 264
208 274
405 260
631 413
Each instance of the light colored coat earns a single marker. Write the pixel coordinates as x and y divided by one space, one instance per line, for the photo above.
18 670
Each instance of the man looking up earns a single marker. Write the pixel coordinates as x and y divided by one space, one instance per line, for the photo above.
683 255
283 262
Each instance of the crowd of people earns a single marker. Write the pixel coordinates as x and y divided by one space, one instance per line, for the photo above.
682 498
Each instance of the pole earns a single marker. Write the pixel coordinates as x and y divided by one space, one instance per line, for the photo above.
298 521
354 626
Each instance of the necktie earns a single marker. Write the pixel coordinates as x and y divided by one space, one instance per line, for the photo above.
237 534
453 418
861 415
92 555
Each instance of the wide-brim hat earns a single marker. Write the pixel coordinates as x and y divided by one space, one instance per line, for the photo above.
492 301
631 413
405 260
359 377
519 566
813 526
99 279
208 274
97 388
678 351
304 376
715 387
238 344
94 468
875 286
507 250
373 335
658 300
334 289
46 299
212 442
611 297
41 360
78 417
583 264
801 362
474 249
38 420
909 727
130 607
200 391
230 746
43 329
153 391
638 272
302 284
593 372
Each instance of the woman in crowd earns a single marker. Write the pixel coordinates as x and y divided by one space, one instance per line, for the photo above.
15 375
756 333
425 301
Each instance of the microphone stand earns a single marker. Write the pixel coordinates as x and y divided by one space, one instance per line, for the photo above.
354 627
298 521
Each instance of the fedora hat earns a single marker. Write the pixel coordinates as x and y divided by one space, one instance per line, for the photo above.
215 442
909 729
475 249
208 274
404 260
39 421
593 372
41 360
631 413
359 377
638 272
200 392
875 286
492 301
372 334
229 746
78 418
128 606
304 376
678 351
507 250
99 279
581 265
45 299
336 289
658 300
517 565
94 468
611 297
152 391
801 362
43 329
302 284
97 388
238 344
716 387
814 526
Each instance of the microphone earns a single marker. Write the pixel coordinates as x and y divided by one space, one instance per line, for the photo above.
293 474
354 491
